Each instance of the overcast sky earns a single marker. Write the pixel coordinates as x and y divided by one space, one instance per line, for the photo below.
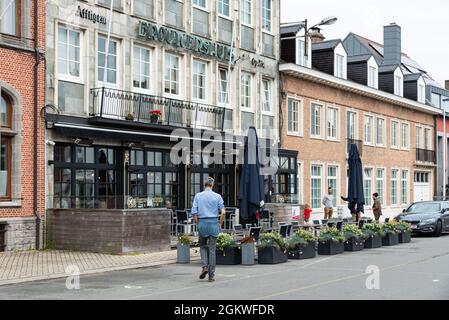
425 25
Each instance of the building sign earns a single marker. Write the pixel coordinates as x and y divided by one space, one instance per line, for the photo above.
88 14
180 39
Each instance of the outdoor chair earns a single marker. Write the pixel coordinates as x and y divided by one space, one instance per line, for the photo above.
238 229
254 233
331 224
295 225
361 224
283 230
316 222
282 224
340 226
324 222
183 223
289 230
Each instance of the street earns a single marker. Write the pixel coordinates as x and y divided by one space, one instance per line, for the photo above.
409 271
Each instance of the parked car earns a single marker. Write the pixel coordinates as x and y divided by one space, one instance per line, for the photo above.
428 217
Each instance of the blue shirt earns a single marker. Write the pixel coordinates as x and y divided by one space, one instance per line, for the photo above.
207 204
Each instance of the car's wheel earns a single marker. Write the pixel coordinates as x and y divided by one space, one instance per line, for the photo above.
438 229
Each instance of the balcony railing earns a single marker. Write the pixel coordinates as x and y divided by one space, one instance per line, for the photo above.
358 143
132 106
424 155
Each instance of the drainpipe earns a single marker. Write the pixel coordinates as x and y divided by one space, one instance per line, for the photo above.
36 105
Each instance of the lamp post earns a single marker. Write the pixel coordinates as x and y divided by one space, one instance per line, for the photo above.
444 147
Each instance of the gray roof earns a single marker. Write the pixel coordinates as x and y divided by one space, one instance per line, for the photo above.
291 29
359 58
412 77
386 69
325 45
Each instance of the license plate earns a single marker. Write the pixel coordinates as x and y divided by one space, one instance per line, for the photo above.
414 226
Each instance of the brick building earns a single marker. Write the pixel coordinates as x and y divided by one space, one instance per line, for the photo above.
333 97
22 81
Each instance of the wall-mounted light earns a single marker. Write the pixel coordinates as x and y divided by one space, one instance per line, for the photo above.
83 142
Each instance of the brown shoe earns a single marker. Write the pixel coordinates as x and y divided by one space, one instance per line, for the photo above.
211 279
203 273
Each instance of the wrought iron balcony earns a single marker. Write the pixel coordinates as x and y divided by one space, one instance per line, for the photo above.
137 107
424 155
358 143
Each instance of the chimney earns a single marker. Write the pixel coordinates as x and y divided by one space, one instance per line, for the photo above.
392 45
446 84
316 35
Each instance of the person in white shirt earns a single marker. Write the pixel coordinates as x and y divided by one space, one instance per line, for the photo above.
328 200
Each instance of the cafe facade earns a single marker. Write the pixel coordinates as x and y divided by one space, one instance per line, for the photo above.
170 77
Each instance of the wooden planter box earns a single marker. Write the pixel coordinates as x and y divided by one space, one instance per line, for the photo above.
229 257
373 242
405 237
183 253
307 252
354 244
390 240
330 248
248 254
271 255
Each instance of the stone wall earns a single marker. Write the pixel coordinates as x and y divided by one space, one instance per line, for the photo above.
109 231
20 234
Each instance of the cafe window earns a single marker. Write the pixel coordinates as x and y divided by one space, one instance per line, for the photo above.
172 76
143 8
112 63
141 68
153 180
282 186
10 21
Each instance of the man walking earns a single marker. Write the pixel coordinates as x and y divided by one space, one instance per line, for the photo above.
207 208
328 204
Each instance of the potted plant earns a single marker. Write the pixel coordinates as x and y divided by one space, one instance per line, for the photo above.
405 231
373 235
331 242
390 235
154 116
183 248
354 239
302 245
228 251
271 248
247 246
130 116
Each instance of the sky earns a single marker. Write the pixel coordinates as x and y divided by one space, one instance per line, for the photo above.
424 23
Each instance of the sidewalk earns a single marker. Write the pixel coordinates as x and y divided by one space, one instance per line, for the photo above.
24 266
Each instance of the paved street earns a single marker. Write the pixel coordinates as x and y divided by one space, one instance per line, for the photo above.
410 271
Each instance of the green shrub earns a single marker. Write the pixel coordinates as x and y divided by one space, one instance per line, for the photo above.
272 239
331 234
224 241
403 226
371 230
389 228
300 238
184 239
352 231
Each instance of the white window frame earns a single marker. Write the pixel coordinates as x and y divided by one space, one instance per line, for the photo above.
384 130
395 144
421 93
356 124
229 9
180 74
398 83
335 109
321 122
407 136
339 66
407 181
270 30
371 142
206 79
69 77
398 185
428 145
299 115
250 76
153 14
150 89
336 201
321 178
270 96
219 84
384 191
118 61
370 193
198 6
242 13
419 136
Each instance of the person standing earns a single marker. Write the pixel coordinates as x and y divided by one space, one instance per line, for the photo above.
207 208
377 207
328 200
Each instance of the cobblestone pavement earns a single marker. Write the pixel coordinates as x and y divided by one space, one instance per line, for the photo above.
23 266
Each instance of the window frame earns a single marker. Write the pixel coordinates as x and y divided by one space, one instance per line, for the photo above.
384 130
377 179
118 57
153 13
397 183
372 130
229 9
368 195
407 187
270 96
321 122
356 124
242 13
179 74
270 30
407 146
219 84
141 47
7 140
397 136
250 96
206 79
320 177
339 66
18 20
299 114
67 77
337 122
336 189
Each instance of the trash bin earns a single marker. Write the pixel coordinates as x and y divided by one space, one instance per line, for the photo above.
3 226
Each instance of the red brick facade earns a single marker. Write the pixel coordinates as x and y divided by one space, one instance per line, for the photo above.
17 72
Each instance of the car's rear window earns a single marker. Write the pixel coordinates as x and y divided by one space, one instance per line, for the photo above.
424 207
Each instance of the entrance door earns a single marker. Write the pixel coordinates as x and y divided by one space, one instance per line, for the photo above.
422 186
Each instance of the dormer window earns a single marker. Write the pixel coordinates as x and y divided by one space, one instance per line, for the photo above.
339 66
373 77
398 83
301 57
421 93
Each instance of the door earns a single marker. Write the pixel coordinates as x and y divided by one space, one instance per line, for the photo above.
422 192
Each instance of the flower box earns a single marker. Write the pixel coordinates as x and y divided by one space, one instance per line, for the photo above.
355 244
306 252
373 242
183 253
405 237
390 239
271 255
229 257
330 248
248 254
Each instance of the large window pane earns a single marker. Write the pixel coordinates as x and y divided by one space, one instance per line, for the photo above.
143 8
111 68
199 80
223 7
174 13
246 90
200 22
247 121
316 176
141 68
266 15
71 97
9 24
171 74
367 181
